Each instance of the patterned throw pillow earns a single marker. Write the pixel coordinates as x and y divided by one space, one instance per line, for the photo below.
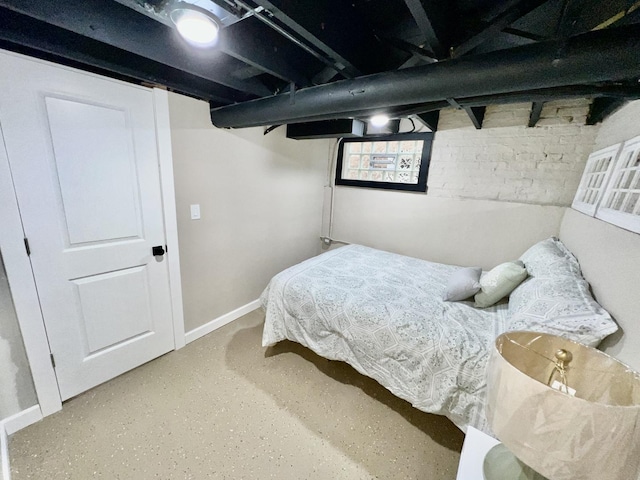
499 282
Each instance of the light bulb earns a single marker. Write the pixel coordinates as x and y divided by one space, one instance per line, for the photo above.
379 120
195 27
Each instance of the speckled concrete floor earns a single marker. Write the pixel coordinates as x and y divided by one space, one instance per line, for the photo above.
226 408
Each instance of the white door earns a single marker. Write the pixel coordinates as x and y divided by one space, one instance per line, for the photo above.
83 155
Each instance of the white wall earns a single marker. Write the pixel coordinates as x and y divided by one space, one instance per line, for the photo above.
261 204
491 193
509 162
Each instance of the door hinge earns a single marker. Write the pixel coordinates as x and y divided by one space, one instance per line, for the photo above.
166 249
27 247
53 361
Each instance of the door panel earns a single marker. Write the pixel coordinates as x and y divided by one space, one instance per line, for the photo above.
82 132
83 154
116 307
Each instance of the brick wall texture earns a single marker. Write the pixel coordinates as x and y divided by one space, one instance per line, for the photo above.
506 160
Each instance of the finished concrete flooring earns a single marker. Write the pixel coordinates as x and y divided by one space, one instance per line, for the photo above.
223 407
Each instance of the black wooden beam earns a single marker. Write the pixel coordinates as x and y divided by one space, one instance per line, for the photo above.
118 26
430 119
426 27
414 50
255 44
522 34
534 116
506 18
332 44
476 115
25 35
602 107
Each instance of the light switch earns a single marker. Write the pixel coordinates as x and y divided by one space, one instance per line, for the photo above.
195 212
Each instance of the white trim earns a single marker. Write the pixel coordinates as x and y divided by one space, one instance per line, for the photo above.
4 454
22 419
24 293
209 327
165 159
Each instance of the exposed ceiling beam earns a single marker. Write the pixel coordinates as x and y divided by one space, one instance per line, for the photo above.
425 25
414 50
495 26
476 115
254 44
552 64
114 24
534 116
522 34
601 108
430 119
341 63
25 35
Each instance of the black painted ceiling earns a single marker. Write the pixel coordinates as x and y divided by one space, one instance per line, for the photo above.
280 45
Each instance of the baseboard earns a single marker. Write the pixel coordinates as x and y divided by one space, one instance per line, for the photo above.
4 454
209 327
22 419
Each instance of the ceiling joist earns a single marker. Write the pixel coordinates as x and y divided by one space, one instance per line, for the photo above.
476 115
536 111
495 26
113 24
422 19
601 108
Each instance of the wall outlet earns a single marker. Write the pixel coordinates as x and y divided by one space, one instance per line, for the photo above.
195 212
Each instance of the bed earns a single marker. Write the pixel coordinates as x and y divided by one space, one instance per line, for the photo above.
383 314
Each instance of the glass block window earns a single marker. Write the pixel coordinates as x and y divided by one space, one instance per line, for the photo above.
594 179
621 201
398 162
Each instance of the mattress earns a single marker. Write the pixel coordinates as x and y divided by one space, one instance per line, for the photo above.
383 314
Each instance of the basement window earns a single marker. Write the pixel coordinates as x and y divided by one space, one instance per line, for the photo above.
394 162
610 186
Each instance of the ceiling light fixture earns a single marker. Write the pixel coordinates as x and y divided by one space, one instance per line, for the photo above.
379 120
196 25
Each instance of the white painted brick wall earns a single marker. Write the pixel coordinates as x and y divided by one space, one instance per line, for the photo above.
506 161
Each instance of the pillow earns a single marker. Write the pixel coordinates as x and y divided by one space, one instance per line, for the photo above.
550 258
464 283
499 282
562 306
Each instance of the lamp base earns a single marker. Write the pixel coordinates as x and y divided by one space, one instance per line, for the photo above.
501 464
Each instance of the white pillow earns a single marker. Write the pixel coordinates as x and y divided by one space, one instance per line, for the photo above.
500 282
464 283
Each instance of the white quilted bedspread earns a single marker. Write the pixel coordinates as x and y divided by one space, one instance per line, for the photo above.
384 315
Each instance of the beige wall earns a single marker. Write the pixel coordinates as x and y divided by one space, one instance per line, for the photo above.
446 230
16 385
492 193
610 261
261 205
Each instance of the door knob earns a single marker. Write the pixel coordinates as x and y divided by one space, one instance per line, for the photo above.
157 251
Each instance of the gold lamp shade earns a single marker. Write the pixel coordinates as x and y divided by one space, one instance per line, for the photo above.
593 433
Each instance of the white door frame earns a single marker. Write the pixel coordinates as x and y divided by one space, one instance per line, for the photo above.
165 157
20 274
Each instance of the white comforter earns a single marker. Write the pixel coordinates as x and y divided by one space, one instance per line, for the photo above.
383 314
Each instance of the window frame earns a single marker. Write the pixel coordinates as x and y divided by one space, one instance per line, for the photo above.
623 219
421 186
617 170
611 152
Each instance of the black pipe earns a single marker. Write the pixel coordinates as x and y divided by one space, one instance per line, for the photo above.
599 56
